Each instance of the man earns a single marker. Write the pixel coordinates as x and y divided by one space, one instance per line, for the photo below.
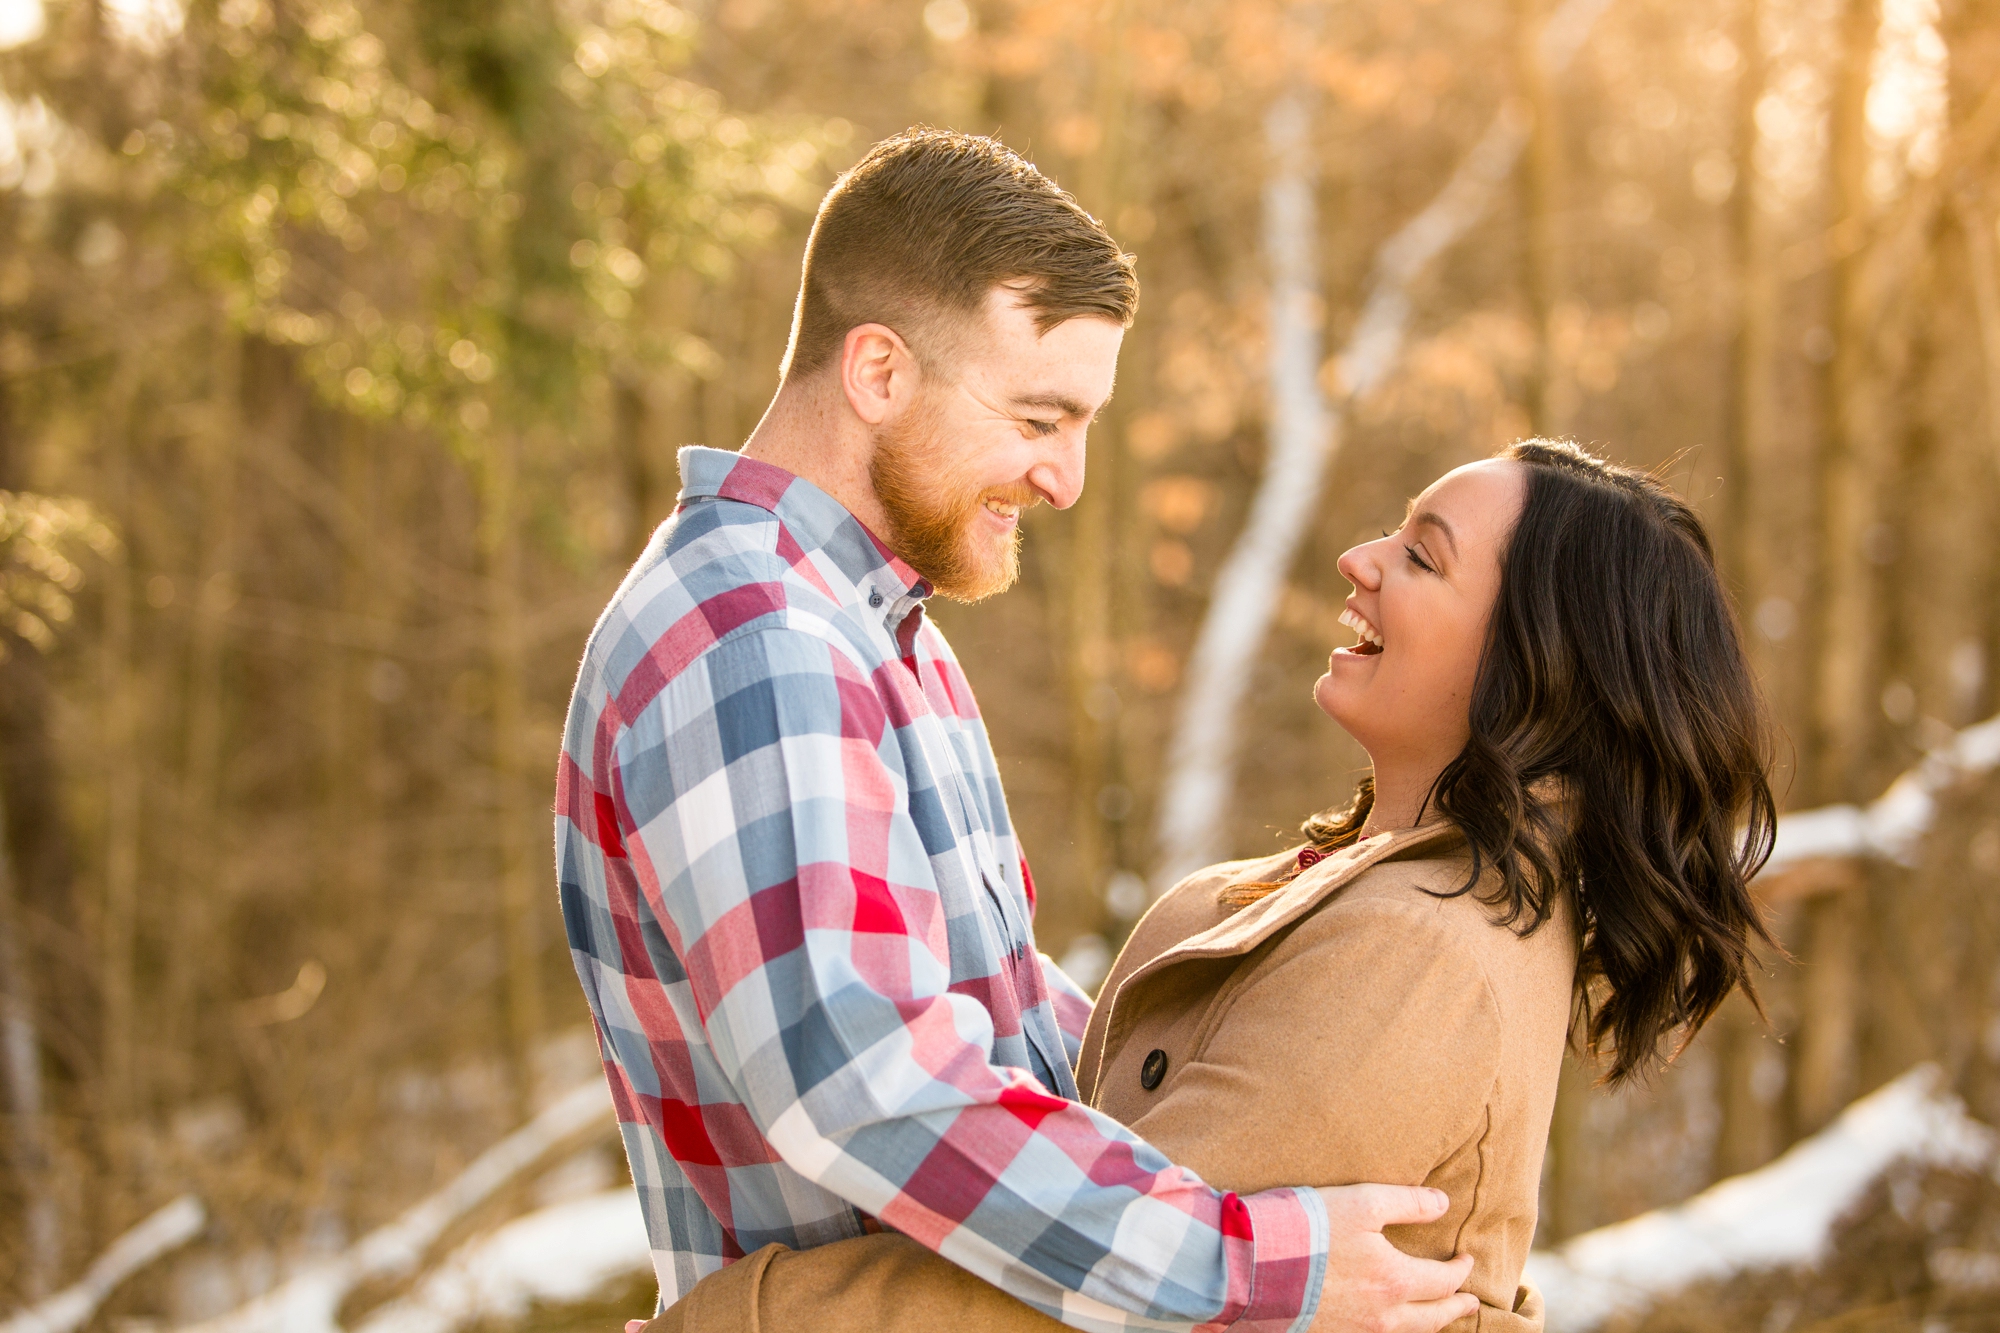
792 890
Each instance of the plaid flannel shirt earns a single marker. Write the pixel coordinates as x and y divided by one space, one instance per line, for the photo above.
795 903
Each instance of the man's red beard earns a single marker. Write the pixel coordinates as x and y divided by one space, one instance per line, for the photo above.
934 510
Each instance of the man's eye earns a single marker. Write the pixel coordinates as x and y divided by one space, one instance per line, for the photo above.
1043 427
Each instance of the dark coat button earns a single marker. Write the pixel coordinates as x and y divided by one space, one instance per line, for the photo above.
1153 1070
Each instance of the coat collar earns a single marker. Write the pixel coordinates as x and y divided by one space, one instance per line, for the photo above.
1244 930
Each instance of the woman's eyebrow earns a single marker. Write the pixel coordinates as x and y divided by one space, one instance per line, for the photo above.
1436 520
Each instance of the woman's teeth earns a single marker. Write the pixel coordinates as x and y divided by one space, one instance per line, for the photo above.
1370 636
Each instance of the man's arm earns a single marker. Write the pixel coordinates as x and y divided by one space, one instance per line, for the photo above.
768 827
1072 1007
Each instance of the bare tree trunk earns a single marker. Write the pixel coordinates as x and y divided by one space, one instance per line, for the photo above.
1839 714
123 790
1837 659
1972 39
1541 183
1976 226
40 1217
255 383
1748 1134
519 927
1566 1192
635 465
49 987
1745 1137
1824 1051
1751 319
1093 698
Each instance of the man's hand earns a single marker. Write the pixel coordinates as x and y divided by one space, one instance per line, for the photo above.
1373 1287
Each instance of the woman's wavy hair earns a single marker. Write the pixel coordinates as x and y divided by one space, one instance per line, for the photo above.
1618 756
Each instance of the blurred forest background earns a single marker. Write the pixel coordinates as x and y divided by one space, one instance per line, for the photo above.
345 346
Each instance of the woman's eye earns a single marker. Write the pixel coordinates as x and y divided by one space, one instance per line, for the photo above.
1416 559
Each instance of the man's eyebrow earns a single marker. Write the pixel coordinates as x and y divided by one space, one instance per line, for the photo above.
1436 520
1061 402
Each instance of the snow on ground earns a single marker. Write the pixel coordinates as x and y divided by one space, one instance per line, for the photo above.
1781 1215
309 1301
568 1253
166 1230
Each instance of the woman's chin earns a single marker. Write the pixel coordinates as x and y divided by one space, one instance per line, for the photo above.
1333 697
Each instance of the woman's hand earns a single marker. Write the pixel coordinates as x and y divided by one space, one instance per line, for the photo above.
1373 1287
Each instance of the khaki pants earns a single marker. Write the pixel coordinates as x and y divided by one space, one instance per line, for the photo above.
870 1284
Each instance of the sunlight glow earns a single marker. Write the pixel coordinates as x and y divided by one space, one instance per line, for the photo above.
21 21
146 24
1907 104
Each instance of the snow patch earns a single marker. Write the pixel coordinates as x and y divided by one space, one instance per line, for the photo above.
1894 825
1782 1215
568 1253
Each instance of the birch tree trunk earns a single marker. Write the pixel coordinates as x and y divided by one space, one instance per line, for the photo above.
1305 432
1304 438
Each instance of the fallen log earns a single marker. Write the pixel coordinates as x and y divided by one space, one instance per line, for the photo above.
71 1308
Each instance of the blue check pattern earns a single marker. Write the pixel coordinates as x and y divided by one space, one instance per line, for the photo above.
800 917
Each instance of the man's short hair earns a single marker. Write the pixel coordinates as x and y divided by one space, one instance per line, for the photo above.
917 233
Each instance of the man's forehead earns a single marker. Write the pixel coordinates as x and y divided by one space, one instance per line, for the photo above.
1068 367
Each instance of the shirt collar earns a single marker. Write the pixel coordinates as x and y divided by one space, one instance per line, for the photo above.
824 529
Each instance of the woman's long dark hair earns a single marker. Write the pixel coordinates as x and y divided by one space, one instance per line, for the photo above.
1618 753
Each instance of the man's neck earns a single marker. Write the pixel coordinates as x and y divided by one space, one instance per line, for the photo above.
808 432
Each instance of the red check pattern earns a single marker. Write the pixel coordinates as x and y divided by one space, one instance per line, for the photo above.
797 908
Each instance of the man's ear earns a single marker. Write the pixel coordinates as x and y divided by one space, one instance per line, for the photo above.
878 372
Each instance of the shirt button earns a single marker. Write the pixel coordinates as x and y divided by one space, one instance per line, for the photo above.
875 597
1153 1070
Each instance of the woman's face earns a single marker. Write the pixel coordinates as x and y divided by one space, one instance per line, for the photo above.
1422 596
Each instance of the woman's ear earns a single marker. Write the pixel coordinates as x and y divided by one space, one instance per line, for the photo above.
877 372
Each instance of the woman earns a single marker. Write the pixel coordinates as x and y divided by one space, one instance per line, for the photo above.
1567 801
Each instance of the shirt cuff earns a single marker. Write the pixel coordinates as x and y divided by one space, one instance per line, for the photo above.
1288 1244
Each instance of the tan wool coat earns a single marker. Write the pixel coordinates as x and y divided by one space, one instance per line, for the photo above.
1350 1027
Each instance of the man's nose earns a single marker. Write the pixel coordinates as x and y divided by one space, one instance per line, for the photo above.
1059 474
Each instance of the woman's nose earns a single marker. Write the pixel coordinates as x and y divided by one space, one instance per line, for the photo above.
1359 566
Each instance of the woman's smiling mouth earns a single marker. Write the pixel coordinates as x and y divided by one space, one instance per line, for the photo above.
1371 638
